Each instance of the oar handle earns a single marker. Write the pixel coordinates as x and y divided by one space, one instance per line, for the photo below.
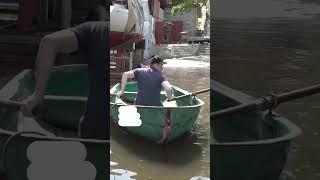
10 104
268 102
299 93
191 94
16 105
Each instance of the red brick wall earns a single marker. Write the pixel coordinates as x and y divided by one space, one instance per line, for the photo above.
175 31
156 7
159 32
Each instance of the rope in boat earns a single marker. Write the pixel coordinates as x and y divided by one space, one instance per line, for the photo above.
167 127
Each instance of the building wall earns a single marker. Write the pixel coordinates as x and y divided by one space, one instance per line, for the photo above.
189 19
176 30
81 8
156 10
149 31
161 14
159 33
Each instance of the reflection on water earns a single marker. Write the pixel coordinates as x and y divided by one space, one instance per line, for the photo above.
258 56
187 157
120 174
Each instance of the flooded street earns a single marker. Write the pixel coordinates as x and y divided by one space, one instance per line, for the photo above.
187 157
275 49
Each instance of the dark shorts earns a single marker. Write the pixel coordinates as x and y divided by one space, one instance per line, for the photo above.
89 131
93 41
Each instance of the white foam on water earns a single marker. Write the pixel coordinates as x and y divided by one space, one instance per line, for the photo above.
113 163
122 174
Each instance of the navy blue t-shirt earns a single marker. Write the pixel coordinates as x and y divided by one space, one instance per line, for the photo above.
93 42
149 86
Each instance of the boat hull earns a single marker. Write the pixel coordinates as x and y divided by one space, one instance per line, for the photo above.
65 106
182 117
248 146
119 18
118 38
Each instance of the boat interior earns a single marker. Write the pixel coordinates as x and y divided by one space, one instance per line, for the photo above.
63 106
131 92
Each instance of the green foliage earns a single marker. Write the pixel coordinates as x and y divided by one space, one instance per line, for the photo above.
185 5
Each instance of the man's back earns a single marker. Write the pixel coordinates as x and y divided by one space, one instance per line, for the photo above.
149 86
93 38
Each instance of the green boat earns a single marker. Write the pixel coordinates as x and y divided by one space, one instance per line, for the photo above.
159 123
247 146
65 98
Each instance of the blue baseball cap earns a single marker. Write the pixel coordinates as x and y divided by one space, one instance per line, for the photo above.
157 60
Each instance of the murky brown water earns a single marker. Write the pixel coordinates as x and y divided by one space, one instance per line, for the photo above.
265 51
184 158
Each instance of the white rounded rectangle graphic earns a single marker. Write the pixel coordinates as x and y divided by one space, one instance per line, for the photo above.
129 116
63 160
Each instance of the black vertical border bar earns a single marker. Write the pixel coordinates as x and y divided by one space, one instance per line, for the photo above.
211 84
107 85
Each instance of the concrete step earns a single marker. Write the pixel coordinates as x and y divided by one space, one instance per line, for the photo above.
182 50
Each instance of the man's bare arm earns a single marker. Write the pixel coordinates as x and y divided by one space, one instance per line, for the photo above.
125 76
168 88
64 41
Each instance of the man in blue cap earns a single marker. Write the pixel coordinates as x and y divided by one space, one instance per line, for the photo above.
150 82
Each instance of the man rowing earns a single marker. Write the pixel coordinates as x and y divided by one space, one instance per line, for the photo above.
150 82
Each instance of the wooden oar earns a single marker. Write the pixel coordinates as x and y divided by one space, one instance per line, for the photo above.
182 96
190 94
10 104
268 102
16 105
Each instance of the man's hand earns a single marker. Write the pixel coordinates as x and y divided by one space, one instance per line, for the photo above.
169 90
169 102
29 104
119 94
171 98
